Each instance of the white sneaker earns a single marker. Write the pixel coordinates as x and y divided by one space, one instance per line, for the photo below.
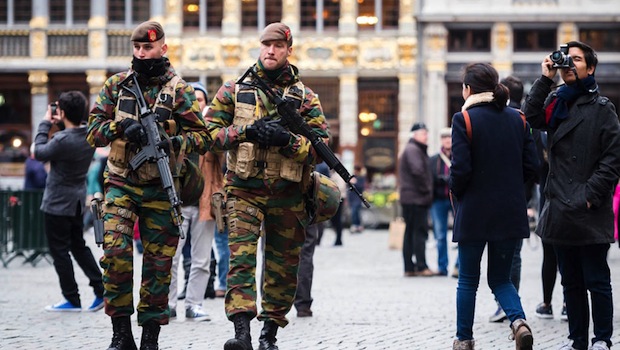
567 346
196 314
599 345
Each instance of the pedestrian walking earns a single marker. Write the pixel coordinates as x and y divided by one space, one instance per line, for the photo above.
493 155
137 194
584 166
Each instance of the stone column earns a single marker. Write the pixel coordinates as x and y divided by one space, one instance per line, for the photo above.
38 80
406 22
348 118
97 36
435 91
158 10
501 48
291 15
567 31
95 79
231 21
38 27
407 101
347 24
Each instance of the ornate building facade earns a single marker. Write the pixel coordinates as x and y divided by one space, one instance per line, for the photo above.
377 65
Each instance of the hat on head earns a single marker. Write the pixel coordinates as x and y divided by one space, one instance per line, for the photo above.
445 132
418 126
149 31
277 31
198 86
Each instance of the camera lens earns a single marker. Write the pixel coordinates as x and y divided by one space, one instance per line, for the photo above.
557 57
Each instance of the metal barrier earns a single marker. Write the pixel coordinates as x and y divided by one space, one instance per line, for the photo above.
22 227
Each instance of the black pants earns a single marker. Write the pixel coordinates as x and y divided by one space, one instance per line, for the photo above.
416 233
303 297
64 235
549 272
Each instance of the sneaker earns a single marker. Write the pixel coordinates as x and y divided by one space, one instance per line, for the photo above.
544 311
173 313
498 316
63 306
567 346
599 345
564 315
196 314
305 312
97 305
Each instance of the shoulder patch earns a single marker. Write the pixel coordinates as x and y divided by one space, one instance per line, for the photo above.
603 101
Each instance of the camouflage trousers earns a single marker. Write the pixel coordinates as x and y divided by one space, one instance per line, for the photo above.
284 218
123 206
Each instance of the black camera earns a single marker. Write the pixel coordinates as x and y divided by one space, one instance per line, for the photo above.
560 58
54 108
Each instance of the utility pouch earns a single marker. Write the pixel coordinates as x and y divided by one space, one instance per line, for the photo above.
291 170
245 160
218 205
118 157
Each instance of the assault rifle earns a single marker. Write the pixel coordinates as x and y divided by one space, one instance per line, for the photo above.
295 122
152 153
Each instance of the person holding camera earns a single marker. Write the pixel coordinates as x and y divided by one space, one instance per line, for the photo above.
137 194
584 166
63 199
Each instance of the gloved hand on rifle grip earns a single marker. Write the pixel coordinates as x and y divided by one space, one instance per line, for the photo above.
277 135
126 123
165 145
135 133
254 131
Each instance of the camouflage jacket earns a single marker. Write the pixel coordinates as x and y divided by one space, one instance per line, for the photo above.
101 126
226 136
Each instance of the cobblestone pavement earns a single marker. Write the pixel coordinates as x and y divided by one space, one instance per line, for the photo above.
361 301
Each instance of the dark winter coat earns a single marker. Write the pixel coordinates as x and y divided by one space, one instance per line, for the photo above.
414 175
488 174
584 165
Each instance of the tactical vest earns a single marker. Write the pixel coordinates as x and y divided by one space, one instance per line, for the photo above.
248 159
122 151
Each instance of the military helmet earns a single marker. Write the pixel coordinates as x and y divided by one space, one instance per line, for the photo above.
325 198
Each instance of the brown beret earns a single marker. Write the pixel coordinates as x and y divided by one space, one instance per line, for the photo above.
277 31
149 31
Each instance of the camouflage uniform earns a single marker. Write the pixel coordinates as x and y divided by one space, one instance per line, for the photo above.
262 198
130 196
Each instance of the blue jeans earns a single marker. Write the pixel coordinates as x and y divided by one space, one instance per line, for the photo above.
500 255
223 257
583 269
439 213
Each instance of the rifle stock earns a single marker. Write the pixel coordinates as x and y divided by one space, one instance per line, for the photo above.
295 122
152 153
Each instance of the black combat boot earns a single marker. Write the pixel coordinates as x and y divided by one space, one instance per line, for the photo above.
242 339
150 334
122 338
267 339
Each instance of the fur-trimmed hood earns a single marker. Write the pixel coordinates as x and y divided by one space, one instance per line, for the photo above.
474 99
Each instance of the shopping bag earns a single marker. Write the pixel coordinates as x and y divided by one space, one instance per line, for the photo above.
396 233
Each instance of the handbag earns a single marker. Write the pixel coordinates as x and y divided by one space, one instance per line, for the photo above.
396 233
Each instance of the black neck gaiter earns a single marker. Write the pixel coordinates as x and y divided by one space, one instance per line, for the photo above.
150 68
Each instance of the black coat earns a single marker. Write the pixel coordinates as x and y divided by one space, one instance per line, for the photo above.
488 174
584 165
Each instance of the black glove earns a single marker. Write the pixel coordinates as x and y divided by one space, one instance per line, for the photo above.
256 131
126 123
165 145
135 133
277 135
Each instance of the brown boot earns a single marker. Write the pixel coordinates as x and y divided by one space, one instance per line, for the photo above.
463 344
522 334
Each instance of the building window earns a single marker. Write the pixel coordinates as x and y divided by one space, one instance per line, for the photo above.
258 13
460 40
202 14
601 39
535 40
377 14
319 14
58 11
328 90
23 11
128 12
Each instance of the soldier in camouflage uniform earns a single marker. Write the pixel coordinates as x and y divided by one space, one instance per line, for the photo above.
268 174
132 195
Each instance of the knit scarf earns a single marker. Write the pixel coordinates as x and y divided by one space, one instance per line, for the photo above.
557 110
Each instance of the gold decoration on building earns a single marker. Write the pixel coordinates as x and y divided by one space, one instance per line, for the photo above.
174 52
567 32
502 35
378 54
231 52
95 41
348 52
38 80
407 49
97 22
38 44
39 22
95 79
